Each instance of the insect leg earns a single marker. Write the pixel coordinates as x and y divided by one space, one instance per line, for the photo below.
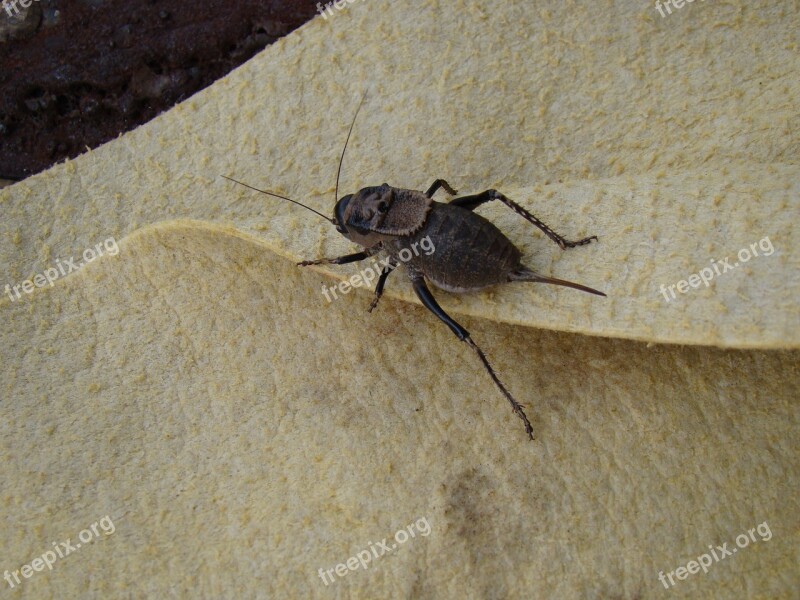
381 282
440 183
472 202
339 260
425 296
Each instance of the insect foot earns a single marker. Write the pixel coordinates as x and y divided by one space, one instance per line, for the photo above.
516 406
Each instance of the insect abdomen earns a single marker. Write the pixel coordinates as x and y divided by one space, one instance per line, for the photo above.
470 252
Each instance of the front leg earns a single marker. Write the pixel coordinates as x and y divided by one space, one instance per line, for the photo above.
340 260
381 282
440 183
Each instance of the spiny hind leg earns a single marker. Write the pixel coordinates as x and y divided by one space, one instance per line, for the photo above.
473 202
427 299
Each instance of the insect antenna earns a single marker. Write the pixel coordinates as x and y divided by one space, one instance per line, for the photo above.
279 196
341 158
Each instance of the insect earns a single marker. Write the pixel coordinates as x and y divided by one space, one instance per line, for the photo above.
470 253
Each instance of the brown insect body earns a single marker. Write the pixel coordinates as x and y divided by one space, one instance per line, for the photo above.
469 252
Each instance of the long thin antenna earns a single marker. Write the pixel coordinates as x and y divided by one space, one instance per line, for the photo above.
341 158
281 197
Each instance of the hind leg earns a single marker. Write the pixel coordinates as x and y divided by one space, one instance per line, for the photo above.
427 299
473 202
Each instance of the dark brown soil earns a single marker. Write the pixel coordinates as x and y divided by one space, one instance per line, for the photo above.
77 73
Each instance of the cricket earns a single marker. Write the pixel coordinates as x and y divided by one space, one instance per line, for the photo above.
471 252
